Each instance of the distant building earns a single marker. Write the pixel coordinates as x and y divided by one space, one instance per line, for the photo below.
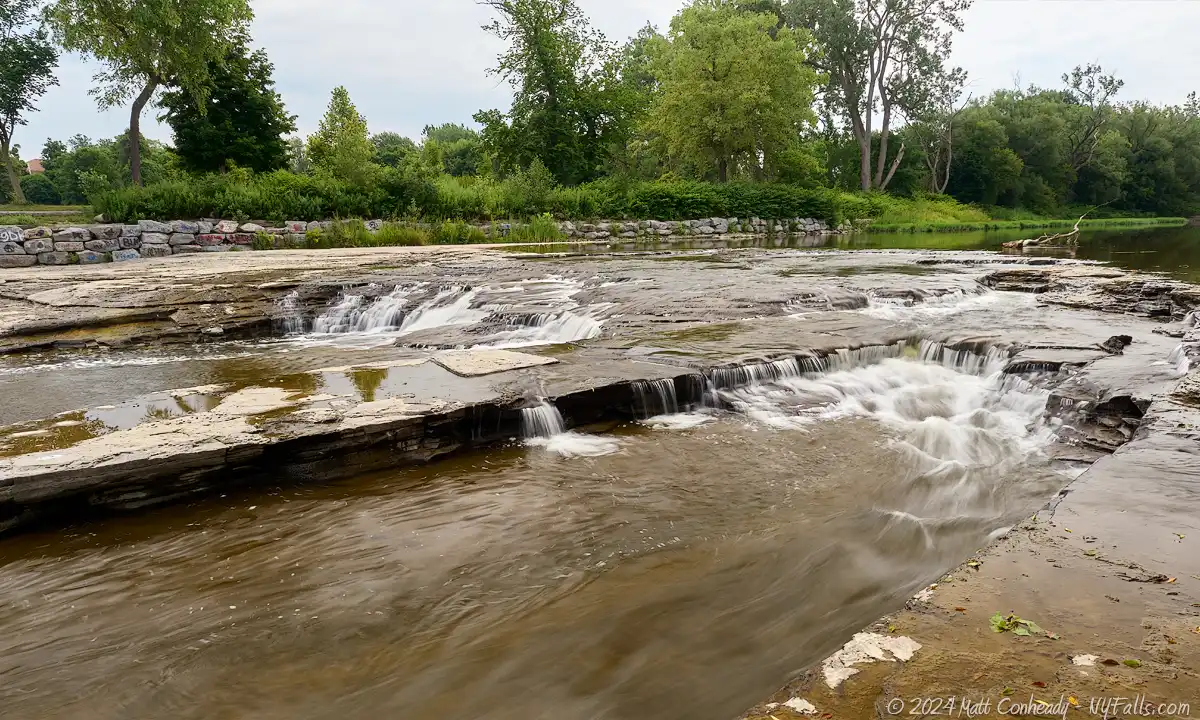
35 166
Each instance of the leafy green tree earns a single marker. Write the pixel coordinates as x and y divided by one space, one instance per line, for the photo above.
986 169
568 107
461 149
65 162
882 57
242 121
448 133
341 145
392 149
27 62
734 87
148 44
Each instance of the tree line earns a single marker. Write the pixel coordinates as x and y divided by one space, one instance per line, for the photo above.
853 95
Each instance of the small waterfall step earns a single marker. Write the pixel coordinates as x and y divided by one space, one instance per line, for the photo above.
542 421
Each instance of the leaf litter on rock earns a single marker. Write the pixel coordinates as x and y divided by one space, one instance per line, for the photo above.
1019 626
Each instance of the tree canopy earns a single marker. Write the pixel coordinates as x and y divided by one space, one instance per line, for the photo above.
735 90
27 62
241 122
148 44
568 105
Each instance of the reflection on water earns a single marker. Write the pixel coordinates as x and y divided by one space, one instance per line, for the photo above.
1171 250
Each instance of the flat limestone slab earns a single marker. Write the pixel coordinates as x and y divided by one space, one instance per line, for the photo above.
476 363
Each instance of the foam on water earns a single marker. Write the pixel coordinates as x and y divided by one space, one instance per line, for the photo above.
941 306
543 427
956 418
679 421
573 445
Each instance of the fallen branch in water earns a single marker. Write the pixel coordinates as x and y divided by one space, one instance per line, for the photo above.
1061 239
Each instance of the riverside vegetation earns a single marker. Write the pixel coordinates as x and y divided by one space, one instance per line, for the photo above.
602 129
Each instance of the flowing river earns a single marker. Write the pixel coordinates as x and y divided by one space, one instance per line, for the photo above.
681 566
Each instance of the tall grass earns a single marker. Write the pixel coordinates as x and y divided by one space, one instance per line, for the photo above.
541 229
354 234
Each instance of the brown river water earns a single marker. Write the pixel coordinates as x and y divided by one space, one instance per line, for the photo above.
681 567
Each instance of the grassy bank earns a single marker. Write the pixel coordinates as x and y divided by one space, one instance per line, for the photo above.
411 198
1045 224
57 209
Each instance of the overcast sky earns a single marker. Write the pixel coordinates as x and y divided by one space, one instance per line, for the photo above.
408 63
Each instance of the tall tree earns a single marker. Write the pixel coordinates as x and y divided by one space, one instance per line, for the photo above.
1092 91
734 88
341 144
881 56
242 121
566 109
27 62
148 44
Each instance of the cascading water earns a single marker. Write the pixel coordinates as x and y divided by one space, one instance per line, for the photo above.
993 358
846 359
542 421
288 314
543 426
529 313
655 397
341 317
1182 358
911 308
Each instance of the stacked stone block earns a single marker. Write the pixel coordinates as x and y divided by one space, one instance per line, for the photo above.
151 239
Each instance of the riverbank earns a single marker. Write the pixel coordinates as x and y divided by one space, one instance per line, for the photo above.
998 225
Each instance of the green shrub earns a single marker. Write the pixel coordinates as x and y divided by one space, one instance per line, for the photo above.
40 190
263 241
23 220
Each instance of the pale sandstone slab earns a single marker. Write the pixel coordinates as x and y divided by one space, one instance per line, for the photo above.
476 363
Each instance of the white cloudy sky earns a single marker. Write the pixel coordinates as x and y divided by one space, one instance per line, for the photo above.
407 63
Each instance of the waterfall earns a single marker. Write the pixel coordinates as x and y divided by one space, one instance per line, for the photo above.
655 397
509 315
342 317
1181 357
543 421
738 375
846 359
992 360
288 314
452 306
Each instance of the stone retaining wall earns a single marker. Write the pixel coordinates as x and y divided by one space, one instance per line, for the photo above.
148 239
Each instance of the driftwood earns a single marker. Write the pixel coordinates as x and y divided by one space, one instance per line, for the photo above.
1067 239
